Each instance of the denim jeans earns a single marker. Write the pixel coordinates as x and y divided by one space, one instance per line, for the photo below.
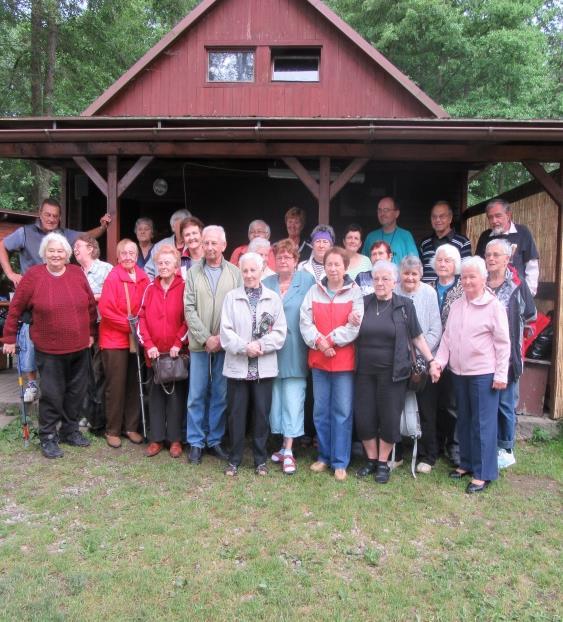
477 422
207 399
332 413
506 417
27 351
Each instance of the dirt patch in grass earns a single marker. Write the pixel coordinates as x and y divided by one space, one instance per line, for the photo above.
528 484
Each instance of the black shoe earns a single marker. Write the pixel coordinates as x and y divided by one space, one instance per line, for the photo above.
473 488
194 457
77 439
382 474
368 469
218 452
50 448
458 475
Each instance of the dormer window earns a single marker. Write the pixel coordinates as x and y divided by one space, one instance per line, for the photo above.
230 65
296 64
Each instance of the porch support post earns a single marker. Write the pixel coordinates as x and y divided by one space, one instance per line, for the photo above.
92 174
354 167
113 210
324 191
550 185
132 174
556 405
304 175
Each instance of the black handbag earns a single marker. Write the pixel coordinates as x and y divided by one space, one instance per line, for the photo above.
168 370
419 372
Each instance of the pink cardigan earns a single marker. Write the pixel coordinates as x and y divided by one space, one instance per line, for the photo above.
476 339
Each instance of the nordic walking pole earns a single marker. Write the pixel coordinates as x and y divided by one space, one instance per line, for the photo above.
133 326
23 406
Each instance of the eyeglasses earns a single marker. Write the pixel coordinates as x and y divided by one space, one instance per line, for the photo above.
495 255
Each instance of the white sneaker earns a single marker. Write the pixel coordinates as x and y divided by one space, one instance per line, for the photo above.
31 392
423 467
505 459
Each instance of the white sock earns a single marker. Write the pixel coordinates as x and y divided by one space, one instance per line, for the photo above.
287 452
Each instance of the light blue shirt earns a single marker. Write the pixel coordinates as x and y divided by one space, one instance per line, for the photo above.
400 240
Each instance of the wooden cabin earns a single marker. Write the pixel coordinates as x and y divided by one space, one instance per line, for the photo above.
248 107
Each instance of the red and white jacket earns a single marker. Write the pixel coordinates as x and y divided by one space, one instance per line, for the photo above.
323 316
162 323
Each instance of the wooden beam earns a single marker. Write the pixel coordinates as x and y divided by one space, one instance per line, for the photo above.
113 209
557 352
354 167
554 189
92 173
388 152
324 191
132 174
303 174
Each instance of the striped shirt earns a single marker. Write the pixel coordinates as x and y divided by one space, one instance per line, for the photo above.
429 246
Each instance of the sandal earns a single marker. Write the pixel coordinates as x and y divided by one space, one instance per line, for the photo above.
231 470
261 469
289 465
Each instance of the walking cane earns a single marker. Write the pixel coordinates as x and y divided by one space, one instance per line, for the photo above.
133 326
23 406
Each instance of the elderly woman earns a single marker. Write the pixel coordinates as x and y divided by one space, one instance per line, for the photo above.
290 385
352 243
447 265
327 330
518 301
87 254
63 311
253 329
256 229
428 315
263 248
121 298
388 330
191 229
476 347
322 238
144 232
379 250
163 330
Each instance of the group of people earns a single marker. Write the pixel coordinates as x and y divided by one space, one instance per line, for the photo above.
274 320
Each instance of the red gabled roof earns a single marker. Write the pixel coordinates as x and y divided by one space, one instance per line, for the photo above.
327 13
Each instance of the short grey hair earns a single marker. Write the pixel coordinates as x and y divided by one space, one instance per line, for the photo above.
252 257
258 221
504 244
504 204
179 214
144 221
475 262
59 239
449 250
215 229
411 262
257 243
382 265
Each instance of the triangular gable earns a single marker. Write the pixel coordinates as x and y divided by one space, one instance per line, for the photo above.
120 85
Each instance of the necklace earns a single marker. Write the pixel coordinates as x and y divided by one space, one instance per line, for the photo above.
377 311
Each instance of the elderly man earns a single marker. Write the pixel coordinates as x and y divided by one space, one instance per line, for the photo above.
176 240
441 217
207 283
525 256
400 240
26 241
256 229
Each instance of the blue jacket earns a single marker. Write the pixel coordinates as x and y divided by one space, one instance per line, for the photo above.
292 358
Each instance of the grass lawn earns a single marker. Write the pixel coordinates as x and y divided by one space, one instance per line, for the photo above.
111 535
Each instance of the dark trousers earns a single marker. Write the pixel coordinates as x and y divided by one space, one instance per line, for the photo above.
122 391
477 424
446 417
427 403
63 381
166 412
239 393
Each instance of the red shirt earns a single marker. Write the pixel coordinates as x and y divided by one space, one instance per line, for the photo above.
63 310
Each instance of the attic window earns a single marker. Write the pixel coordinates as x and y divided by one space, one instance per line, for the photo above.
296 64
230 66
